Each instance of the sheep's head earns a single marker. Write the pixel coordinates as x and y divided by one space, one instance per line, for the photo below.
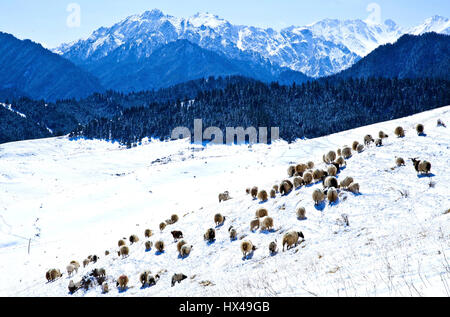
300 234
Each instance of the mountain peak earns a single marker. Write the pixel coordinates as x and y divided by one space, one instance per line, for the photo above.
155 13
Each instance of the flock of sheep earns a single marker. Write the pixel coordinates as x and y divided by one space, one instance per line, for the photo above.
300 174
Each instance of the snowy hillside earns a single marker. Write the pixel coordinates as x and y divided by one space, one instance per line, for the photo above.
319 49
77 198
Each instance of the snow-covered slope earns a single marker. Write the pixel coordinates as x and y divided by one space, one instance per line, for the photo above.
319 49
76 198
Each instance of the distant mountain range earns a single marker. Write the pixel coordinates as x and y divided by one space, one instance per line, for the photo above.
31 70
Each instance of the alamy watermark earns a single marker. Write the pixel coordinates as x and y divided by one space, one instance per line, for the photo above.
237 135
74 18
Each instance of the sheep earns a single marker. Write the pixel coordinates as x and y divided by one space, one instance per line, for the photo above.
210 235
148 245
186 250
148 233
54 274
233 233
176 234
355 145
331 181
307 178
378 142
98 273
310 164
267 224
346 152
273 194
340 161
332 195
177 278
291 171
368 139
151 280
159 246
301 213
286 187
247 191
93 258
121 243
399 161
105 287
179 245
73 287
124 251
247 247
273 247
70 269
422 167
174 218
360 148
298 182
346 182
143 278
254 192
106 252
441 123
301 168
399 132
329 157
86 262
419 129
275 187
133 238
162 226
354 188
219 219
254 224
317 174
261 213
339 152
332 170
382 135
75 264
224 196
291 239
262 195
122 282
318 196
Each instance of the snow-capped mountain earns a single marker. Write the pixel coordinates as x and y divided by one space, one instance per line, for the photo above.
319 49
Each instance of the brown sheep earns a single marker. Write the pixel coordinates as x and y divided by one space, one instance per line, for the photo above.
121 243
54 274
346 182
318 196
70 269
254 192
301 213
378 142
267 224
73 287
261 213
179 245
399 132
422 167
247 248
399 161
298 182
134 238
331 181
286 187
254 224
219 219
174 218
159 246
224 196
177 278
275 187
420 128
233 233
247 191
210 235
310 164
329 157
273 194
317 174
144 278
339 152
301 168
332 170
148 233
106 252
360 148
124 251
340 161
148 245
307 178
273 247
162 226
291 171
355 145
382 135
122 282
186 250
354 188
75 264
177 234
368 139
332 195
262 195
346 152
291 239
86 262
105 287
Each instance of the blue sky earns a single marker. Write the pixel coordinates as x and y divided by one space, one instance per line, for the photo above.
45 21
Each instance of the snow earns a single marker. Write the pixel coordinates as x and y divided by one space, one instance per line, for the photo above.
9 107
75 198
